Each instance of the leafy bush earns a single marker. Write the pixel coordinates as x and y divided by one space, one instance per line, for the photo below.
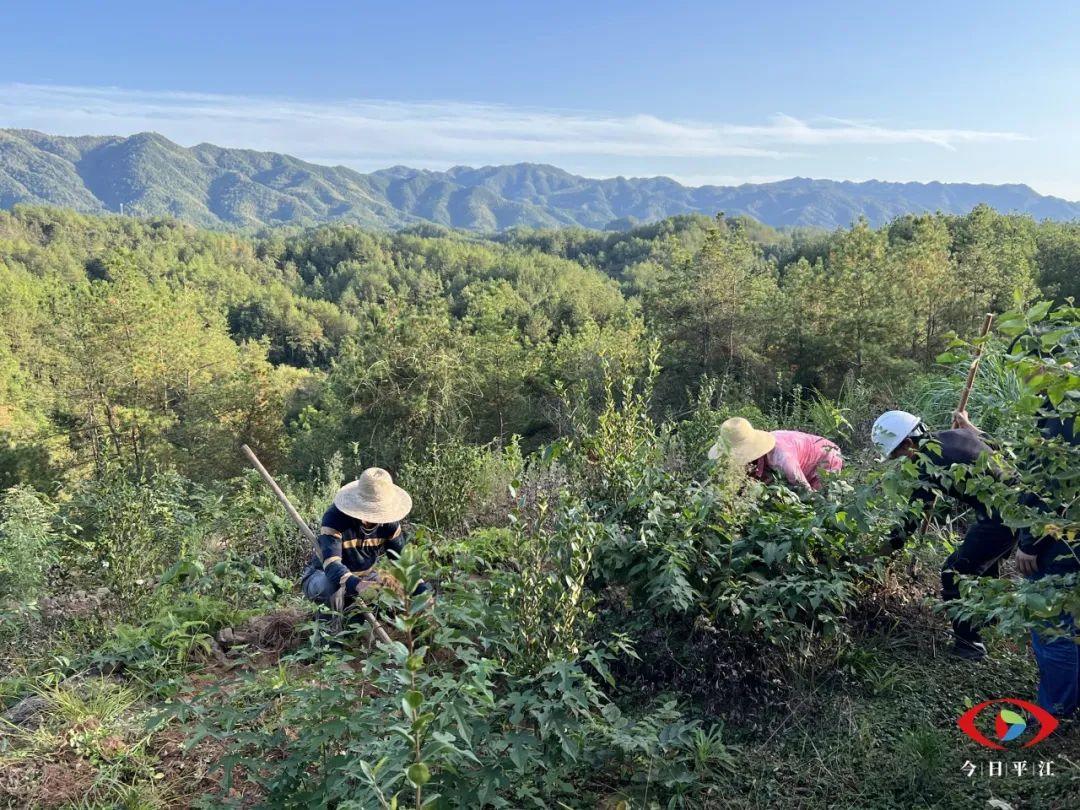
550 608
455 485
171 637
133 527
250 524
439 717
479 551
28 545
1039 492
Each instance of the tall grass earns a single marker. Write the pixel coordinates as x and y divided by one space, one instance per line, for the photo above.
995 389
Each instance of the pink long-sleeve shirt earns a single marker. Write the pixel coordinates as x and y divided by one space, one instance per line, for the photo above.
801 457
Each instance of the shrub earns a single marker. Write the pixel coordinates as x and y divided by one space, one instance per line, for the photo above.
250 524
456 486
133 527
437 719
27 542
174 635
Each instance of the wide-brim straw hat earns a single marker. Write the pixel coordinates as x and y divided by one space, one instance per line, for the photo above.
742 441
374 497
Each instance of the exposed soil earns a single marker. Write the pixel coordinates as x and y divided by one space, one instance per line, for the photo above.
64 782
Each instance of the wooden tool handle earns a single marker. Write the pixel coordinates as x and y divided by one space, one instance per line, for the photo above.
281 496
964 395
975 363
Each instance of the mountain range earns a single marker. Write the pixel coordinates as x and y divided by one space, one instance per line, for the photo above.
148 175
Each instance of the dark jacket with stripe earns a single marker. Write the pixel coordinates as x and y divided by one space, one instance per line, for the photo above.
938 452
350 550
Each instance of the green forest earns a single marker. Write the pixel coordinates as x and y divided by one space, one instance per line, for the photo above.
616 620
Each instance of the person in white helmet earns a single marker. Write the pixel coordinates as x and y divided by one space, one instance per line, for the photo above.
987 541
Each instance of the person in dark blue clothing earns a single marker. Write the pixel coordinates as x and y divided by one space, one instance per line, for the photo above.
1058 656
362 525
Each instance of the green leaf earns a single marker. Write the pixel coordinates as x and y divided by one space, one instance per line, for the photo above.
1037 604
418 774
1051 339
1039 311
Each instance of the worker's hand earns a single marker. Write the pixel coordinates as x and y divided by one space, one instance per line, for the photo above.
960 420
1027 564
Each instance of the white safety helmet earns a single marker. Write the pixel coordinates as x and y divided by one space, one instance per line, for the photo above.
891 428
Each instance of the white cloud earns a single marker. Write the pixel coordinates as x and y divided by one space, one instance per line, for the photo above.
372 133
839 131
710 179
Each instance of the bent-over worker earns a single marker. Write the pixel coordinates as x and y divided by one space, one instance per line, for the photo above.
987 540
361 525
800 457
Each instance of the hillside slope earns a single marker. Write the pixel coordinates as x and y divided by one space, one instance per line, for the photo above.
217 187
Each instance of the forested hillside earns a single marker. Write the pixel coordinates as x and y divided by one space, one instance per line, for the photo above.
618 622
211 186
125 336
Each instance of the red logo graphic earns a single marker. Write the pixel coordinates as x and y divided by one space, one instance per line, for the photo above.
1009 724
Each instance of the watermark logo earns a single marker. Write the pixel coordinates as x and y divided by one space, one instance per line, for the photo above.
1009 724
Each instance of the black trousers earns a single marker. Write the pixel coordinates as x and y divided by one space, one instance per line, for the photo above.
988 541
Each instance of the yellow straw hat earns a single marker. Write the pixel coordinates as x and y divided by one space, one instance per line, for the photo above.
374 497
742 441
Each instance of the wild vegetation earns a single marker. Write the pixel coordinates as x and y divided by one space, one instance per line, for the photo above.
618 621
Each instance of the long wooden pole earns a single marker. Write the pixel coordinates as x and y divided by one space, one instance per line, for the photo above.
975 362
965 393
302 525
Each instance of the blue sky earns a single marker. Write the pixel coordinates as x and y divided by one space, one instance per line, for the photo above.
700 91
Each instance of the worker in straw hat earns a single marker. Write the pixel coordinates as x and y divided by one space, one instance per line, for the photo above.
799 457
361 525
938 458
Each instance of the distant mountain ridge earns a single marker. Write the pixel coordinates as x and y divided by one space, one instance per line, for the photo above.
217 187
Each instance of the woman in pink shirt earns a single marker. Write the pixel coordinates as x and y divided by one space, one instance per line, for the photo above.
800 457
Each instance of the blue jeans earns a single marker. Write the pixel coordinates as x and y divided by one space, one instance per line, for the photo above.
317 588
1058 658
1059 669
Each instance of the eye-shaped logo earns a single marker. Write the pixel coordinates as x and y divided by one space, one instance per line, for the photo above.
1009 724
